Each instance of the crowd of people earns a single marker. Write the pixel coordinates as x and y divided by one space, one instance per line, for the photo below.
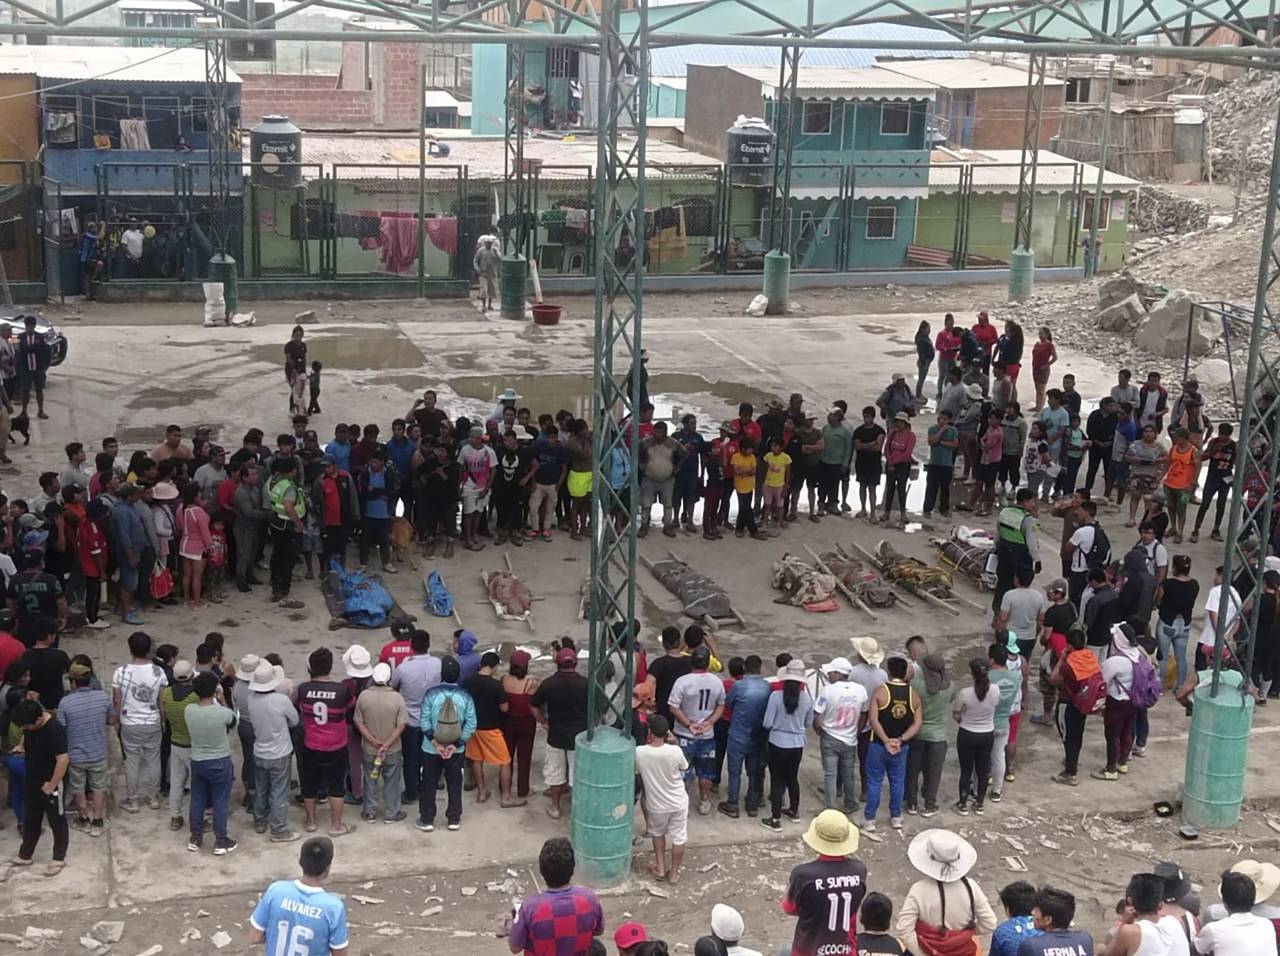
386 731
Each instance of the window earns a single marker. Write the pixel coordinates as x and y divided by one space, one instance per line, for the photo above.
108 111
562 62
817 118
882 222
198 121
895 119
1077 89
1104 214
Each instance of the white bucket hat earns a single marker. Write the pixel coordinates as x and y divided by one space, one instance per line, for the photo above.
265 678
942 855
793 671
357 661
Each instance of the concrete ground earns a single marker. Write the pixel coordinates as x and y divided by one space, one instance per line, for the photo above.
133 369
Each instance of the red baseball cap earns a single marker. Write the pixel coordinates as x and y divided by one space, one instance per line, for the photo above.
566 657
630 934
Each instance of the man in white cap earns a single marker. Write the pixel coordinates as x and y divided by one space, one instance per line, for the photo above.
380 717
487 263
727 926
825 894
839 713
272 714
946 902
478 463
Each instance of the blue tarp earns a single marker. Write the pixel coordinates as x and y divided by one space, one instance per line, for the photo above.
365 602
439 601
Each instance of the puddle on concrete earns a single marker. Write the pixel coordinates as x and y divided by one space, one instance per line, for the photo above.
357 347
672 394
168 398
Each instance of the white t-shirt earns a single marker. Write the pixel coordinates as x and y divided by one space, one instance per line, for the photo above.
697 695
1117 671
1082 541
1240 934
978 716
132 239
1156 554
1024 607
841 705
140 686
662 770
1211 604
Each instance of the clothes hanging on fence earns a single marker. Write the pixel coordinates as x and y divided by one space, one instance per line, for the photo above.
358 225
60 129
668 236
399 242
697 217
576 219
442 231
133 134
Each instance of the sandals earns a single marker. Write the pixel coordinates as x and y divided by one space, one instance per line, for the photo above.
55 867
346 829
508 804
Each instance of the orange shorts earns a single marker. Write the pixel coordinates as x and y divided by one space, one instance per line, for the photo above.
490 747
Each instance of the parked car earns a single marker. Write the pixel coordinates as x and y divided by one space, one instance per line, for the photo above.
17 321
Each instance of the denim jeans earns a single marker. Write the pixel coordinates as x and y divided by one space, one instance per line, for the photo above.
248 776
925 757
837 764
411 750
386 789
432 767
271 793
879 763
211 786
751 752
1173 636
16 764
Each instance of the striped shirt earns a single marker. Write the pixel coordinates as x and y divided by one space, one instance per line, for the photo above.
84 714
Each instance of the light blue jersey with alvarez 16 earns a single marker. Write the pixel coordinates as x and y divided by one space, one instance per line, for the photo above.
300 920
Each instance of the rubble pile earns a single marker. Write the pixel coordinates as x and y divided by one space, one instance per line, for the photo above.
1242 121
1160 212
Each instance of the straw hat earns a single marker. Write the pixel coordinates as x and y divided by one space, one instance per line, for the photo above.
942 855
1265 876
164 491
793 671
868 649
831 834
248 664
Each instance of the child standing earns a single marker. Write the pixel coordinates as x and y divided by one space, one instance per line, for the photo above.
91 546
216 558
743 466
777 474
875 938
313 383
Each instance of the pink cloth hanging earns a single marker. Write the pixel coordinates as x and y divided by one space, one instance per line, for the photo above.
443 233
399 235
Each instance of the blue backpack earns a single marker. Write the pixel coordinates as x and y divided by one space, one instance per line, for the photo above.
1146 687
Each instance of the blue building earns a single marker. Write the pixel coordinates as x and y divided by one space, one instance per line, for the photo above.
124 138
861 158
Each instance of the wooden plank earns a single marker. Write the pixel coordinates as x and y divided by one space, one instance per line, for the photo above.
840 585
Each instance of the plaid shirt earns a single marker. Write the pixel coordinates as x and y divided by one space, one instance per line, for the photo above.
558 922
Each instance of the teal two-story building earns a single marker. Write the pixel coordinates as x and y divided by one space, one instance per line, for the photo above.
860 147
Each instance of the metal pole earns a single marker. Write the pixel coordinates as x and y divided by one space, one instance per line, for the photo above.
422 187
1092 258
1259 444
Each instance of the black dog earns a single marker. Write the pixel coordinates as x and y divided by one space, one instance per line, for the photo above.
21 423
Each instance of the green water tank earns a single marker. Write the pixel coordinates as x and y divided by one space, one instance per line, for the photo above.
1217 753
1022 273
603 801
222 268
514 279
777 281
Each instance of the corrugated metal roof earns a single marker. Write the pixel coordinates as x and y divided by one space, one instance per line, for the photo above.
115 63
996 171
829 82
483 157
971 74
675 60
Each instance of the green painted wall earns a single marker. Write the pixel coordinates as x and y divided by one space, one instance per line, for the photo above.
991 227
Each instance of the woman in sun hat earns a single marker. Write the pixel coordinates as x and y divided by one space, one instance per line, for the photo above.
787 716
944 913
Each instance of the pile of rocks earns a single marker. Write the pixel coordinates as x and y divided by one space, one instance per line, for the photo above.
1160 320
1161 212
1242 122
